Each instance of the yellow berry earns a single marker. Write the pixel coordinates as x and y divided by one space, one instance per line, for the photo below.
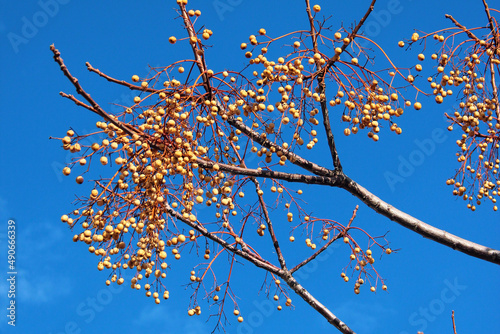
66 171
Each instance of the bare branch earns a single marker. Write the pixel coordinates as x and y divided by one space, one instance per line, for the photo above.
259 262
322 88
495 33
294 158
121 82
266 173
95 107
426 230
322 309
467 31
269 223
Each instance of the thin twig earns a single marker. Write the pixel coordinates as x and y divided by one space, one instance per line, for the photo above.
496 38
121 82
322 249
95 107
495 89
453 321
467 31
322 91
269 223
352 35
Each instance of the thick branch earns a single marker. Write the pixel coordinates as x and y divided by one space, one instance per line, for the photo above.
266 173
315 304
292 157
426 230
495 90
496 36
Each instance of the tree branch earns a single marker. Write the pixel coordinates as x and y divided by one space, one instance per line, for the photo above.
426 230
294 158
269 223
496 36
266 173
95 107
352 35
322 89
121 82
315 304
468 32
259 262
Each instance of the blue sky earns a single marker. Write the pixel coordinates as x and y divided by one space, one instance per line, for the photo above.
59 289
